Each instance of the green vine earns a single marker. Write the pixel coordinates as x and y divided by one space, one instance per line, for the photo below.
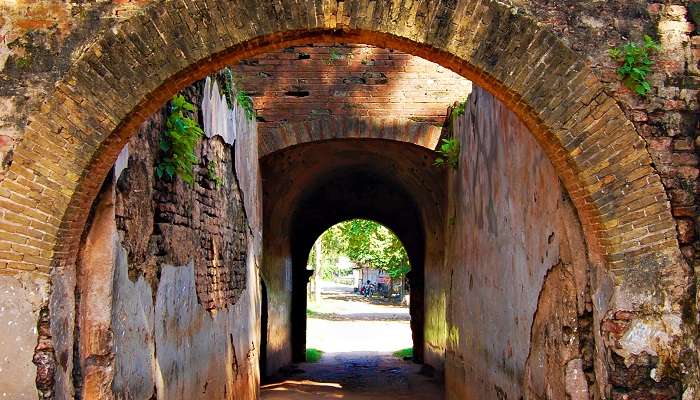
241 97
212 175
459 109
177 144
448 153
246 103
228 85
635 64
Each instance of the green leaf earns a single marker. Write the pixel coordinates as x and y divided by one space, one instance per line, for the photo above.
164 145
635 64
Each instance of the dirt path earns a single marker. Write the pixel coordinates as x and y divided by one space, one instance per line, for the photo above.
358 338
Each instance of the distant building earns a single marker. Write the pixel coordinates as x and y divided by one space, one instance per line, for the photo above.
362 274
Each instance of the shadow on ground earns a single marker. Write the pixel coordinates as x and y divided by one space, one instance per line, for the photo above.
353 375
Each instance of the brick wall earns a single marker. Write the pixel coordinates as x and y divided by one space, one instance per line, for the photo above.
337 90
169 222
321 79
61 158
668 118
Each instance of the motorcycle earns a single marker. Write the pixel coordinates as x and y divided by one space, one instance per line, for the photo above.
369 290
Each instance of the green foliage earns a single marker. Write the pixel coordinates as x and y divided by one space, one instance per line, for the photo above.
23 62
404 353
448 153
334 55
694 13
212 175
228 85
687 185
458 110
313 355
244 100
635 64
241 97
177 144
366 243
311 313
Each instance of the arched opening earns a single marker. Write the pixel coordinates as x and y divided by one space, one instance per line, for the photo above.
345 179
72 144
584 98
358 295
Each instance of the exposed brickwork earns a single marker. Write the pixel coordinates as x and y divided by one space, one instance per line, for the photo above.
323 91
38 41
567 110
298 132
44 358
165 222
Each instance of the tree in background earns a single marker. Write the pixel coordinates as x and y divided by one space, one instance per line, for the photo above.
372 244
363 242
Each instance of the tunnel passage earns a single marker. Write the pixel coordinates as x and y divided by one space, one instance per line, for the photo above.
344 194
311 187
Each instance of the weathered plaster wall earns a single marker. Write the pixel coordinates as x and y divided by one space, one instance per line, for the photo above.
22 300
515 283
167 284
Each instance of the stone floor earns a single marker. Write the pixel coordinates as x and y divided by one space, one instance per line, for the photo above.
358 338
352 376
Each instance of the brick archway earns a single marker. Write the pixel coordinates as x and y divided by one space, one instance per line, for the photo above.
301 132
131 70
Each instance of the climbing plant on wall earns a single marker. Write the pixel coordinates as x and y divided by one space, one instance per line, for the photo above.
177 143
213 176
459 109
239 96
448 153
635 64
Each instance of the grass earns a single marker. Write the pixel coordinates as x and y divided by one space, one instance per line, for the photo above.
404 353
313 355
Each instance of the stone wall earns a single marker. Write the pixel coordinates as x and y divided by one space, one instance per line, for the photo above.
167 283
517 291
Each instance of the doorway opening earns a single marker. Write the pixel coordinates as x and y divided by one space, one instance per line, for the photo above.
359 338
358 293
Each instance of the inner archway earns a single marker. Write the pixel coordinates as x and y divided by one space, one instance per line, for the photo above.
345 179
